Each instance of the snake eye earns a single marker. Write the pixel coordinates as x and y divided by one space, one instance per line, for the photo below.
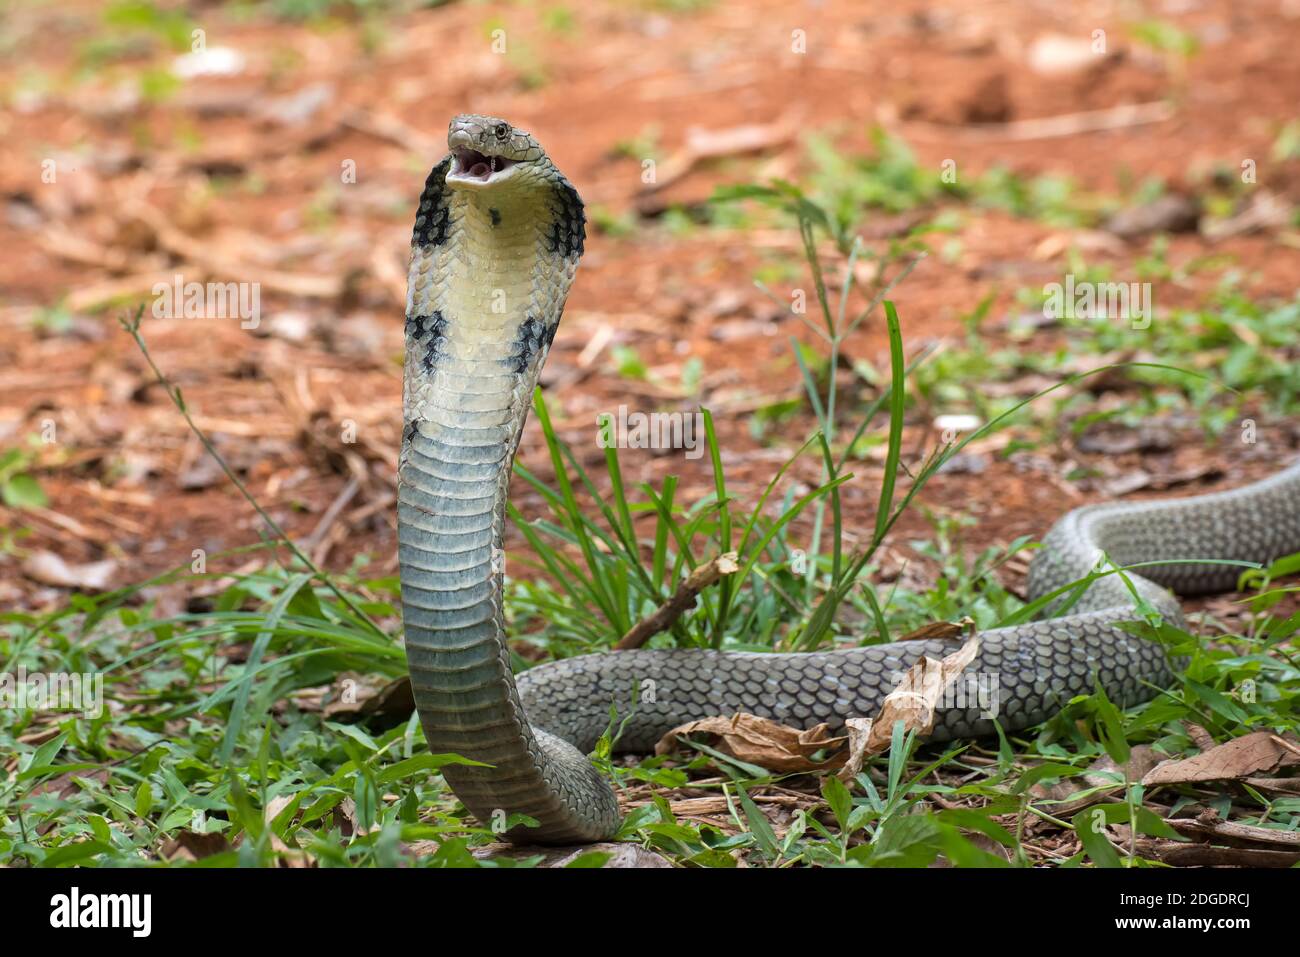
502 131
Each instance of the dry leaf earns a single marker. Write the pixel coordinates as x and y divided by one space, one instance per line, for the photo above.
620 855
915 699
193 846
761 741
49 569
1235 759
368 695
289 857
941 630
773 745
859 730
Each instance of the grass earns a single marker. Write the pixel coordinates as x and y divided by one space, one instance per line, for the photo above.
1247 354
228 734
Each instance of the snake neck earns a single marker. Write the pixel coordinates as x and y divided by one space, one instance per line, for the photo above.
485 293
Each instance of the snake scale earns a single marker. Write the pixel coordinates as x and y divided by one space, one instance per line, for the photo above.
497 240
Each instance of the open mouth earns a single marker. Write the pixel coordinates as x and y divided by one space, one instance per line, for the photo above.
471 166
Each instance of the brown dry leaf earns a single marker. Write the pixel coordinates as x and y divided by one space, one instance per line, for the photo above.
941 630
859 730
776 746
1230 761
62 786
761 741
289 857
1170 213
1084 240
193 846
620 855
914 700
1264 211
1200 737
49 569
353 695
345 817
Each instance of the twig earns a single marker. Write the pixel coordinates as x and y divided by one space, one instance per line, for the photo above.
326 523
682 599
132 326
200 254
1049 127
702 145
393 130
1231 830
1204 855
1282 743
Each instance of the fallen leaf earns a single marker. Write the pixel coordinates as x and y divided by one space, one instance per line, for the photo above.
49 569
761 741
193 846
289 856
1132 481
1264 211
1148 438
941 630
779 747
917 696
1200 737
1170 213
619 855
1055 53
1239 758
358 695
859 730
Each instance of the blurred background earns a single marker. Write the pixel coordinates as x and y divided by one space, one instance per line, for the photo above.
284 143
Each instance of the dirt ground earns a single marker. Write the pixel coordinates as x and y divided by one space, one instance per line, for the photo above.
245 177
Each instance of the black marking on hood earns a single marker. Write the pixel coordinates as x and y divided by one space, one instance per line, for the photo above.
534 336
433 220
568 228
432 327
496 216
417 326
408 433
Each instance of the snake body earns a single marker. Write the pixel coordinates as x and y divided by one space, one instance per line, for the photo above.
496 244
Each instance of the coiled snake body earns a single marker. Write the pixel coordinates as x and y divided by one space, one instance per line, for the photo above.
497 240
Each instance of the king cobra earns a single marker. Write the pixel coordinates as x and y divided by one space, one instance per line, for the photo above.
497 240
